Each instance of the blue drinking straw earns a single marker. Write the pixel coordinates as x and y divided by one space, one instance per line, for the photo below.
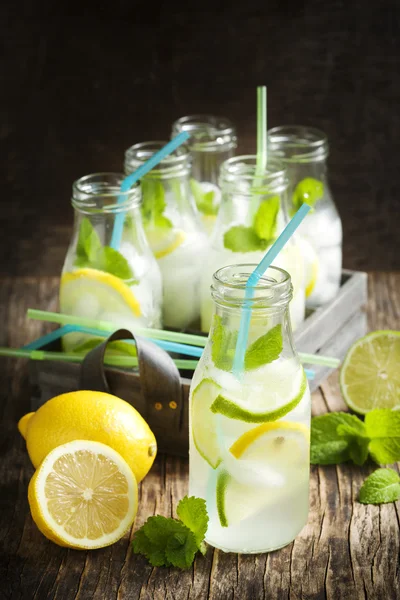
252 281
131 179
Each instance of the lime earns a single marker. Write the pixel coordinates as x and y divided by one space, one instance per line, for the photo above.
235 408
236 501
370 374
203 421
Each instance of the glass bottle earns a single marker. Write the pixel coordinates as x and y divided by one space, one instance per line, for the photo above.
119 284
250 219
212 141
174 231
304 151
249 429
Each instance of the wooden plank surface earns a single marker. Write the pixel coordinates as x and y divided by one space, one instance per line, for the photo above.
346 551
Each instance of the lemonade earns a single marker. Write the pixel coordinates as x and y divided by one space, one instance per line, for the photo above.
212 141
250 219
249 433
304 151
173 229
121 285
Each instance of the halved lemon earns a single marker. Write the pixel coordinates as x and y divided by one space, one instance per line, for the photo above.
83 495
370 374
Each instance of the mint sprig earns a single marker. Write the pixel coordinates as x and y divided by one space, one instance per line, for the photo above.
90 253
171 542
223 344
382 486
261 235
205 201
154 205
265 349
339 437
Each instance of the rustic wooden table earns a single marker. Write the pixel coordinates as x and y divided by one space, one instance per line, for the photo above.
346 551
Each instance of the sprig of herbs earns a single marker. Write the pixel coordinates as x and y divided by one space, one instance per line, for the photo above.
261 235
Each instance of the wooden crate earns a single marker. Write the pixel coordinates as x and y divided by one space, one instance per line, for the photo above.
329 330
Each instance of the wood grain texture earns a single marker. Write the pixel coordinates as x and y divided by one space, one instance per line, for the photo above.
346 551
80 87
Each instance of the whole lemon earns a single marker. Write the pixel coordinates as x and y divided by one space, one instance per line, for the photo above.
95 416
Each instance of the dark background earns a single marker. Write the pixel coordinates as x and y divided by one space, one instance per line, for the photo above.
80 84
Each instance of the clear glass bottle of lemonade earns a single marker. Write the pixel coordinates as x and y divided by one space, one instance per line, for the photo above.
249 432
173 229
123 284
304 151
250 219
212 141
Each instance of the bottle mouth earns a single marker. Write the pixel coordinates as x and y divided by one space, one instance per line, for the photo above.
101 192
175 164
273 290
243 171
298 144
208 133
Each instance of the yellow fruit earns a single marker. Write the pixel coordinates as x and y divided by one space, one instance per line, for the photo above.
163 242
23 424
96 416
83 495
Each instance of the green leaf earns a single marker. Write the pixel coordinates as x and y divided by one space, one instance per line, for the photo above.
204 200
181 548
242 239
265 350
356 435
153 204
193 513
266 219
380 487
154 553
307 191
115 263
223 344
88 245
383 427
328 447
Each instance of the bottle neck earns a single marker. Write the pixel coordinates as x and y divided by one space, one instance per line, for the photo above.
269 306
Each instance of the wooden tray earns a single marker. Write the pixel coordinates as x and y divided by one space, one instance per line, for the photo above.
329 330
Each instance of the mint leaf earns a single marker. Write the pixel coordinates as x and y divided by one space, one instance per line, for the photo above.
356 435
165 542
223 344
89 244
264 350
328 447
242 239
181 548
380 487
193 513
154 205
383 427
204 200
91 253
307 191
266 219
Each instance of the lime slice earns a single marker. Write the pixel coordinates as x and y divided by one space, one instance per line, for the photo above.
203 421
236 408
311 265
235 501
370 374
165 242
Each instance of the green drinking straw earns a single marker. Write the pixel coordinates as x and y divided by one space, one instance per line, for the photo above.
261 163
115 361
160 334
252 281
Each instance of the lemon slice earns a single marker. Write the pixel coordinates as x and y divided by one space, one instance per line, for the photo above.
370 374
248 411
83 495
89 292
275 454
311 265
203 421
163 243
